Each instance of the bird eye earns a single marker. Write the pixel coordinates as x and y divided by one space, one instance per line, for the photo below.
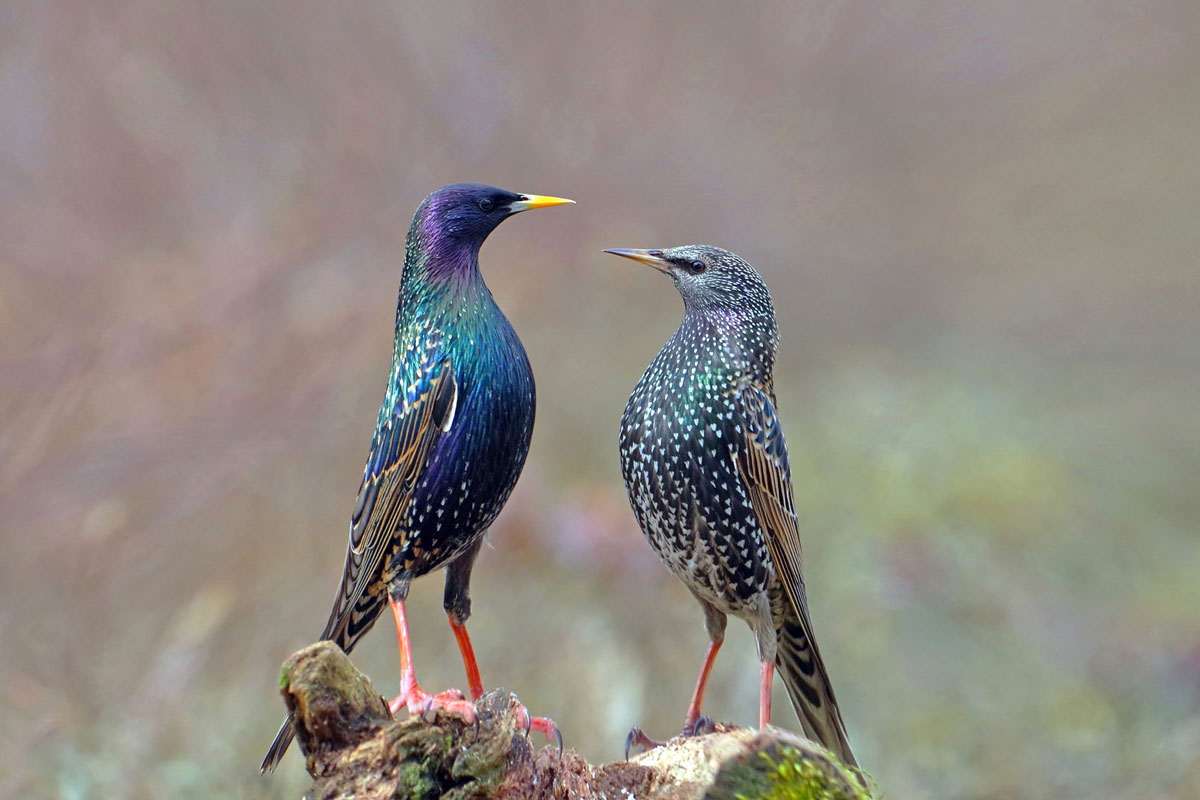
486 204
696 267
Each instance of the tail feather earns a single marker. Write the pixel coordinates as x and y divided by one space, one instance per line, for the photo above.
278 747
799 664
345 630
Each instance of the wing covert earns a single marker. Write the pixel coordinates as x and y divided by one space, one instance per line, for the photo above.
421 413
761 458
762 461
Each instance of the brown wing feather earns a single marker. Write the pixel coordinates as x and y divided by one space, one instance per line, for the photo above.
399 452
762 462
763 465
386 492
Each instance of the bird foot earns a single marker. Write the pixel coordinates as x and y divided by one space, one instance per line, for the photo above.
700 727
420 703
543 725
638 738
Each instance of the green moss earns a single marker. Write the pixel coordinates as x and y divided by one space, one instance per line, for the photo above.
792 777
798 781
416 781
785 773
481 768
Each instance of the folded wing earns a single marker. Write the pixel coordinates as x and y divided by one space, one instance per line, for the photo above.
399 452
421 411
762 462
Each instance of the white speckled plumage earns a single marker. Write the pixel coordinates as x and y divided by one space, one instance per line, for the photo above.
705 467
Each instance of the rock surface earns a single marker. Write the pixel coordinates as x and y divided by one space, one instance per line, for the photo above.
355 750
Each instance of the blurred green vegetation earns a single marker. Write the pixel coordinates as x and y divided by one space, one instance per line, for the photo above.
979 225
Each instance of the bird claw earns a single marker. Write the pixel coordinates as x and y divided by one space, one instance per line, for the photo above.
420 703
637 736
557 736
426 706
701 726
543 725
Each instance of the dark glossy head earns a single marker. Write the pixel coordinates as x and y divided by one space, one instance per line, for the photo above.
467 212
707 277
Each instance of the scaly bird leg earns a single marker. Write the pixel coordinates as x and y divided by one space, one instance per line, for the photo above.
412 696
543 725
766 677
693 723
474 682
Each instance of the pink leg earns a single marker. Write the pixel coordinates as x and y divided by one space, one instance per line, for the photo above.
767 677
543 725
638 738
412 696
693 712
474 682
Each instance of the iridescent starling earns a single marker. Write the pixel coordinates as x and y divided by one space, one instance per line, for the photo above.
706 468
451 438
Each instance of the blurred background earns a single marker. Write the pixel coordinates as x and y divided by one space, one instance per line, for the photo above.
980 225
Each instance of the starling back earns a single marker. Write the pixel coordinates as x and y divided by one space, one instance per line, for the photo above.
706 469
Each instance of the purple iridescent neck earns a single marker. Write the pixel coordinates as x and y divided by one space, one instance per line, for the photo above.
441 271
436 251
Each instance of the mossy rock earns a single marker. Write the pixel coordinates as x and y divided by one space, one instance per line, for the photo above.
355 750
779 766
332 704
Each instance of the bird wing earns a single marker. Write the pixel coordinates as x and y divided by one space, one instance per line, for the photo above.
422 412
762 461
760 455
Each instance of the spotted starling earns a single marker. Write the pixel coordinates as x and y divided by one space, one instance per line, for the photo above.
706 469
451 438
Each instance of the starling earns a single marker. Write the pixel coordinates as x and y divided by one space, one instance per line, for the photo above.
451 438
706 469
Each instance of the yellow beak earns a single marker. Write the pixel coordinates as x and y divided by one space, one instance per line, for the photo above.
652 258
529 201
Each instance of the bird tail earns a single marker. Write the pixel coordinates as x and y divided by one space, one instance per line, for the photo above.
345 630
799 664
278 747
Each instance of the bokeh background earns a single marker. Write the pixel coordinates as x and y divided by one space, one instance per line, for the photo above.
980 224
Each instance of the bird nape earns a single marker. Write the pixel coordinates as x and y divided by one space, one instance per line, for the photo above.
449 442
706 469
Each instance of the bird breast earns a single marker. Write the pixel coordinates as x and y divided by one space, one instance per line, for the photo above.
685 492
